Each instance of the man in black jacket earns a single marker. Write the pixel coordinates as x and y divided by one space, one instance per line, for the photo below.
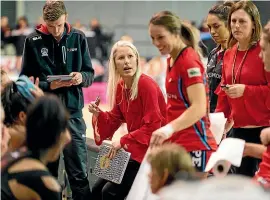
58 49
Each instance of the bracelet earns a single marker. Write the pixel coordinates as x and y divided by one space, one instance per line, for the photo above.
167 130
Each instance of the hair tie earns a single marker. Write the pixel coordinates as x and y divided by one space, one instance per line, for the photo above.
24 86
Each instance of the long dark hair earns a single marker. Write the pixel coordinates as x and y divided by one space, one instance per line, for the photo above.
46 120
13 103
222 11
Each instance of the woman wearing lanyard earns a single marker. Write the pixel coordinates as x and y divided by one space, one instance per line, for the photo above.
245 94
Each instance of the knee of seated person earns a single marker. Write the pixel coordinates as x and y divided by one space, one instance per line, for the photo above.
107 191
80 184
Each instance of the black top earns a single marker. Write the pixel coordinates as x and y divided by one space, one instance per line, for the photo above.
31 179
214 74
44 56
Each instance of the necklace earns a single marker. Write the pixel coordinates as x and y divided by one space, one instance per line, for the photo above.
234 76
127 99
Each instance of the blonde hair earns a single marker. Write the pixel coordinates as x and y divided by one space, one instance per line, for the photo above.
114 76
172 157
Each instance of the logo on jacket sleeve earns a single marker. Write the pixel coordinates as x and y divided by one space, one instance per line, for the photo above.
44 52
71 49
193 72
37 38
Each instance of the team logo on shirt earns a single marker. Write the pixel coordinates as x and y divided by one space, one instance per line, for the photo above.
71 49
44 52
215 75
171 96
193 72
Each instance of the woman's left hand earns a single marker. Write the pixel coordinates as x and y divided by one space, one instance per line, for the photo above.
37 92
115 147
235 91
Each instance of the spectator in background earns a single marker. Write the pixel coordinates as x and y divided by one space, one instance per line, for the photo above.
5 31
19 35
78 25
100 37
207 43
39 22
203 27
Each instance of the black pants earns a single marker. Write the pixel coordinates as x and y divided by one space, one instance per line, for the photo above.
249 165
106 190
75 158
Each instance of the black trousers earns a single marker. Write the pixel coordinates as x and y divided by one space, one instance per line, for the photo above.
249 165
106 190
75 159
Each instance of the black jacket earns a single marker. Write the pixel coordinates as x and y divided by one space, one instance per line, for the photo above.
214 74
43 56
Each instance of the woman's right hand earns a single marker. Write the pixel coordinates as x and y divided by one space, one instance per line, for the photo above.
93 108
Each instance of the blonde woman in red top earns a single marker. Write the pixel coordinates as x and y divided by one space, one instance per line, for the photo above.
134 99
245 94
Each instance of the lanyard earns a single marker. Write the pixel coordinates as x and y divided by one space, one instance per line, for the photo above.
234 76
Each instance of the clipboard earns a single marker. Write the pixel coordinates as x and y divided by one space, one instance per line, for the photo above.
51 78
112 170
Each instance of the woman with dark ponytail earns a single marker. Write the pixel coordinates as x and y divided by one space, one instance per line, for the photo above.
16 96
187 105
191 37
24 174
217 23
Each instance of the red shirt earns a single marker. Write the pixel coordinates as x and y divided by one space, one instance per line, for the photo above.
186 71
263 174
143 116
253 108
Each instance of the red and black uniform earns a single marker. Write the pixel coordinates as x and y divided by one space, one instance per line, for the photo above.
214 74
186 71
251 109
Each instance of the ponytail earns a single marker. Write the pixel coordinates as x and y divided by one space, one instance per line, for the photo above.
191 37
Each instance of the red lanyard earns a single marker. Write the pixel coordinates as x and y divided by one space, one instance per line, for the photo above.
240 66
